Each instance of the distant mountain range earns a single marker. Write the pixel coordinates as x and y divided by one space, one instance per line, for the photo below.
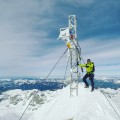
29 84
52 83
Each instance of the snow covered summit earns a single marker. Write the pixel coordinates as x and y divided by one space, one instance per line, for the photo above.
86 106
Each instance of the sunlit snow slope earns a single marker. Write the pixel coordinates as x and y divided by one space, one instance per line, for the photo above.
86 106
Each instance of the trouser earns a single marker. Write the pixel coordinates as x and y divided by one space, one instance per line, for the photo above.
91 77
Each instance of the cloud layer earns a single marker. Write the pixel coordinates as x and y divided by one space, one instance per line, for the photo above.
29 31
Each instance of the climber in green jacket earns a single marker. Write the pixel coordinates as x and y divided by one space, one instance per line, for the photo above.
90 68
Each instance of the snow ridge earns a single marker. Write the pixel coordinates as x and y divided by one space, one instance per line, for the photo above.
86 106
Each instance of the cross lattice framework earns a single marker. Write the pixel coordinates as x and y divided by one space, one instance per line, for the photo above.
74 55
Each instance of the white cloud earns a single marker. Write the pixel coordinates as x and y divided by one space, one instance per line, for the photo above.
19 39
23 40
105 54
101 49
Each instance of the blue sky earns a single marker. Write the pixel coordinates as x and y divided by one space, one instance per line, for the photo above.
29 30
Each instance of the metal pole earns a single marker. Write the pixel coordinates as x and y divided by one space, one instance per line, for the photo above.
74 54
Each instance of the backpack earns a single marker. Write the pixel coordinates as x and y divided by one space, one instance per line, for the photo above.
93 70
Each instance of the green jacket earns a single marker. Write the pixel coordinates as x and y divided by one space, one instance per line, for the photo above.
89 67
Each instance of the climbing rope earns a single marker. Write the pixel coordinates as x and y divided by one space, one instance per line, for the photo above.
26 108
56 64
45 79
110 104
65 71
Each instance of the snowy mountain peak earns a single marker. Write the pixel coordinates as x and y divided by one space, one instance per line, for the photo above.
86 106
57 105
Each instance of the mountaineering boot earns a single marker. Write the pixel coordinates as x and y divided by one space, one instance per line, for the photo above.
86 86
92 90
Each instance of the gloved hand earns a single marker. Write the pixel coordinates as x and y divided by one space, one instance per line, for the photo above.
77 63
